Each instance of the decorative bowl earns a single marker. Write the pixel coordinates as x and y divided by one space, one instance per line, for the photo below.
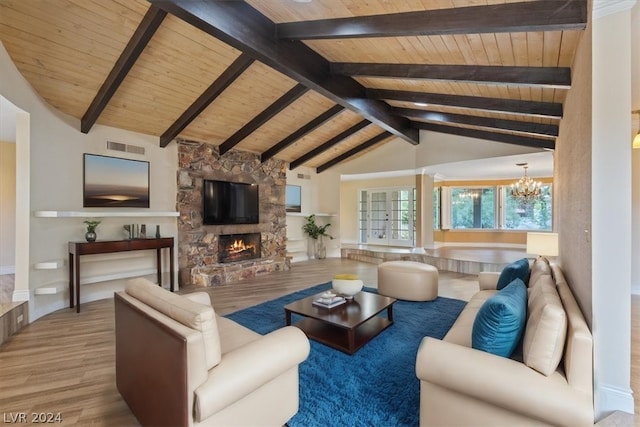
347 285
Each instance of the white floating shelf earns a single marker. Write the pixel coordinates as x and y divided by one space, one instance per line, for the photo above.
91 214
309 214
49 265
51 289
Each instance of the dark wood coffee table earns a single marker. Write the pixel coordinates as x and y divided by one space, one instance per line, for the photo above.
347 327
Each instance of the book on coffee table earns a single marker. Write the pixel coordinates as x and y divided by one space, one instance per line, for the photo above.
329 302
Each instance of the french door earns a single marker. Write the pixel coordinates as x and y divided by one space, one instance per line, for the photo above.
387 216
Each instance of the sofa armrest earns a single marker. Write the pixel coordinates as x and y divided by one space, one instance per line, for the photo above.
502 382
247 368
488 280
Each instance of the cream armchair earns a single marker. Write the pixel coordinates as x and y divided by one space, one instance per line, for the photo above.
178 364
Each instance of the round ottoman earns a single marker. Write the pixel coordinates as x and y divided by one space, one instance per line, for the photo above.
408 280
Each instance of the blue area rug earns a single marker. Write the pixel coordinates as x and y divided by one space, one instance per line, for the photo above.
377 386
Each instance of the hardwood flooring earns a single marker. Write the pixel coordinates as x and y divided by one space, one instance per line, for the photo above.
64 362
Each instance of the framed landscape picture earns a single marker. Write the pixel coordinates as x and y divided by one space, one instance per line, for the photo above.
293 198
112 182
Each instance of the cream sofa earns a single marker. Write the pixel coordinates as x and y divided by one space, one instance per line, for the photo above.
178 364
462 386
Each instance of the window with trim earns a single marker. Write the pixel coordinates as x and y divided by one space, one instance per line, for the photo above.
494 208
436 209
533 215
473 207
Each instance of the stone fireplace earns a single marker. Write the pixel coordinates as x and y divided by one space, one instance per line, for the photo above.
208 255
238 247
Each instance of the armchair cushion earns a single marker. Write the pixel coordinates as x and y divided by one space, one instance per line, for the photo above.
500 322
539 268
184 310
546 328
248 367
516 270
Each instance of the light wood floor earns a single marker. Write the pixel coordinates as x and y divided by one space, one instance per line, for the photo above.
64 362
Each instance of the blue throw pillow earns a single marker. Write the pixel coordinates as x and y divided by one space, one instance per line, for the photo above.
500 322
516 270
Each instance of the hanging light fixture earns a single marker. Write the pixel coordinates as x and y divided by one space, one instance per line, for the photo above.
526 189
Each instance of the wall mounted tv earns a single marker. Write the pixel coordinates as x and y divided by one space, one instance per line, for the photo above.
112 182
226 202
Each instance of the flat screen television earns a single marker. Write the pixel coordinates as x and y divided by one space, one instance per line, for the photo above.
225 202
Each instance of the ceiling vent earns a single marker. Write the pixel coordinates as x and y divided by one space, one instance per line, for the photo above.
125 148
303 176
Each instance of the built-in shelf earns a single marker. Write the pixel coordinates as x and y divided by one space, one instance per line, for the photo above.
91 214
49 265
52 288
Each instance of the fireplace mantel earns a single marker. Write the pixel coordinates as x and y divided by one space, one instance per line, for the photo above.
217 274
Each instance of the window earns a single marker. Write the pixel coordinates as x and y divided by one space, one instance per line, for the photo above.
487 208
436 209
534 215
473 208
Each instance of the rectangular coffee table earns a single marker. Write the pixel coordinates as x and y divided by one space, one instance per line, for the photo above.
347 327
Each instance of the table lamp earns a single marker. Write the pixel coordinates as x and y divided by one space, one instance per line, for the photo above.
542 244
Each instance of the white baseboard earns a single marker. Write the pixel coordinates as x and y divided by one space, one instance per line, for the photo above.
7 269
609 398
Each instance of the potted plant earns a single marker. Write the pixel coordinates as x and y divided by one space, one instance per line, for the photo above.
316 233
90 235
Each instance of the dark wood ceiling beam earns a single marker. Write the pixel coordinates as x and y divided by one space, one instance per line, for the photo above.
491 136
146 29
544 15
355 150
281 103
313 124
330 143
244 28
508 106
208 96
551 77
534 129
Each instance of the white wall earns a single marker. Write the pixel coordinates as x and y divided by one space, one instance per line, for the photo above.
319 196
7 206
53 155
635 106
438 148
611 198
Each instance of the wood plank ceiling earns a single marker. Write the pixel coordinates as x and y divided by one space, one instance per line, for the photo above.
314 83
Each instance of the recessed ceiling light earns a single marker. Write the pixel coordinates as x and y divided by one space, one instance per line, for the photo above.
302 1
420 104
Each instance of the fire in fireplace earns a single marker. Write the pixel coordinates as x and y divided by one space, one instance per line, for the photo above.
238 247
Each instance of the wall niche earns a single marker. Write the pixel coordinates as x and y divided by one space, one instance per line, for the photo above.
198 243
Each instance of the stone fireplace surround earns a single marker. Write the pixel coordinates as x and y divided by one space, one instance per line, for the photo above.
198 252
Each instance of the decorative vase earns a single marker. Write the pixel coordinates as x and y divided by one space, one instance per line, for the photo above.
347 284
311 248
320 248
90 236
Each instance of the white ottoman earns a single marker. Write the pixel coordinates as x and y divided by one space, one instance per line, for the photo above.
408 280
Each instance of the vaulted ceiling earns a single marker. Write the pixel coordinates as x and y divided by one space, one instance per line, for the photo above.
313 83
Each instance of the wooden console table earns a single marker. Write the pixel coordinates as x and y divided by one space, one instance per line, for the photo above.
108 246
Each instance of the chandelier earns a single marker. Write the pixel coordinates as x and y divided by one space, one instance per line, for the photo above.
526 189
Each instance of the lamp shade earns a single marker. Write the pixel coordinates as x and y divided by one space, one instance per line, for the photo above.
542 244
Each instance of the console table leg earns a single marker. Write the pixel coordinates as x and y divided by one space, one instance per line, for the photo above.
77 285
159 264
71 284
171 266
